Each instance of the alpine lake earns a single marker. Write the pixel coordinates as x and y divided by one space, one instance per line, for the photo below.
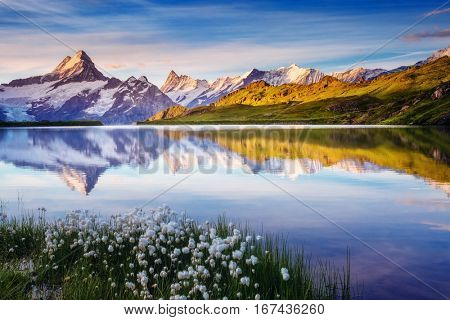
380 192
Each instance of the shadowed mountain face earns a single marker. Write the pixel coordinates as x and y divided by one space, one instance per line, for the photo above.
80 156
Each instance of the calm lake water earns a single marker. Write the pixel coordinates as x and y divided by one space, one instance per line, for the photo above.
322 187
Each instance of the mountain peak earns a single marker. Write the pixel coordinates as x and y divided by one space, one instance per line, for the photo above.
357 74
171 82
81 55
445 52
70 62
172 74
143 79
182 82
79 67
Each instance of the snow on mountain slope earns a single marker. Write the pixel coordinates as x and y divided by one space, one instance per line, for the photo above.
75 89
135 100
217 89
358 74
183 89
292 74
190 92
362 74
103 103
445 52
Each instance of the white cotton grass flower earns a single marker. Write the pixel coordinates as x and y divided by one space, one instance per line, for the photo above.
252 260
185 250
237 254
285 274
160 249
130 285
245 281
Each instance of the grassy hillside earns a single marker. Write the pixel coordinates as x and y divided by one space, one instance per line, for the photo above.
418 95
169 113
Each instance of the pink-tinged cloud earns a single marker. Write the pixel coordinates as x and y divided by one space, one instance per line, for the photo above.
443 33
115 66
437 12
437 226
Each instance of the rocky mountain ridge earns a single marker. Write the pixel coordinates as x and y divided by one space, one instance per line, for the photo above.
76 89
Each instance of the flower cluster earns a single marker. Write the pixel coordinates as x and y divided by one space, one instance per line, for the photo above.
157 254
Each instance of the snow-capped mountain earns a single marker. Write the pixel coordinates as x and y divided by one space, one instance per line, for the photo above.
76 89
292 74
358 74
71 69
219 88
183 89
190 92
445 52
362 74
134 100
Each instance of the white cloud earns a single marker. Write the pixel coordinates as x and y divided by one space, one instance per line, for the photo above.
152 39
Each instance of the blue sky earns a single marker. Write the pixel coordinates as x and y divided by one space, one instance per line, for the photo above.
207 39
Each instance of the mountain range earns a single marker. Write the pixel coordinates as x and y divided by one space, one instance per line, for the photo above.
190 92
77 90
415 95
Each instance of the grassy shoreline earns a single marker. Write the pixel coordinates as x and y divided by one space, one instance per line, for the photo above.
153 255
225 122
74 123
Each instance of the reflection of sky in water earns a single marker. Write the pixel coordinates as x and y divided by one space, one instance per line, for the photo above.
403 216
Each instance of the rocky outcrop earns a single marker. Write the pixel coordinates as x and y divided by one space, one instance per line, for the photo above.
169 113
135 100
358 74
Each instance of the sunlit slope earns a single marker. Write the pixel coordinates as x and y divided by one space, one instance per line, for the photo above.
418 95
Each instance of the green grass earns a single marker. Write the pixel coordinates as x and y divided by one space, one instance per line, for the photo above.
74 276
21 238
14 284
400 98
350 110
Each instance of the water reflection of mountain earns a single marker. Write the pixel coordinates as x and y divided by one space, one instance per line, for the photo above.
81 155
